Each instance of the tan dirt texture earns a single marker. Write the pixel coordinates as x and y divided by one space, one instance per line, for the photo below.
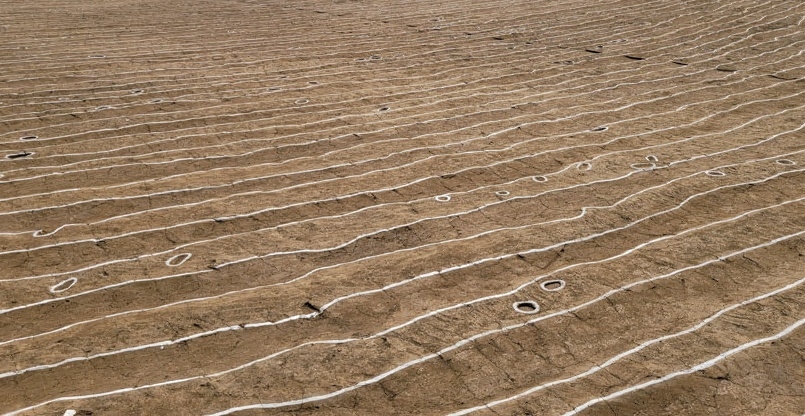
402 207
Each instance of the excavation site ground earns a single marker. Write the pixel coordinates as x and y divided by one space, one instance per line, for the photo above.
402 207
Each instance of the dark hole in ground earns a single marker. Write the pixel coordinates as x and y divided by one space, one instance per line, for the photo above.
526 307
18 155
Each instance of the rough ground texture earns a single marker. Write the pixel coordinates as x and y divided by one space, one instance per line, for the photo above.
397 207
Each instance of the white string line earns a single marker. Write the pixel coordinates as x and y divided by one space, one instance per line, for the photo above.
224 237
257 77
331 248
446 350
352 39
274 139
241 155
187 301
247 42
254 140
174 99
504 149
256 62
184 175
476 209
258 91
178 190
244 141
699 367
547 248
482 207
367 258
435 273
632 351
211 46
287 136
399 12
118 185
186 30
719 8
409 363
96 152
356 41
306 143
764 42
380 231
261 42
223 106
188 36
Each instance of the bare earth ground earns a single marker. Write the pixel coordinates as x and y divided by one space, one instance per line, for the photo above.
339 207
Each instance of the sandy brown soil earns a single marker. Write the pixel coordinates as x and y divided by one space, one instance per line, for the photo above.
343 207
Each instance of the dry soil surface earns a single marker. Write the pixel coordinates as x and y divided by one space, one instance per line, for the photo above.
397 207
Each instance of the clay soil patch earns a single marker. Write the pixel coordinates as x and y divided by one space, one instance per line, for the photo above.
257 207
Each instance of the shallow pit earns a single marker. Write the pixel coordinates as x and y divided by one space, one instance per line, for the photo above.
528 307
